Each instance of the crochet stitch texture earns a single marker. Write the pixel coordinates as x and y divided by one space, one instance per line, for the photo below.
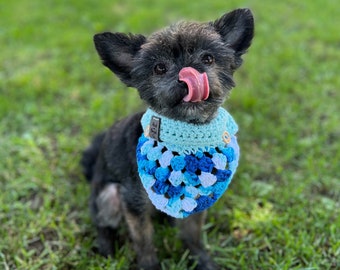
190 167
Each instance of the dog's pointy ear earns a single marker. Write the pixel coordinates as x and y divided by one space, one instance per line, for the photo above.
117 51
236 29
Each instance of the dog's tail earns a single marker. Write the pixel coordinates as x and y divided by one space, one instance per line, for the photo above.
89 158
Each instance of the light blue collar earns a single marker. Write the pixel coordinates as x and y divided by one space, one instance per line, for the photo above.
187 138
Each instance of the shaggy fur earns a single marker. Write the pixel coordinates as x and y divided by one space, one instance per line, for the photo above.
151 65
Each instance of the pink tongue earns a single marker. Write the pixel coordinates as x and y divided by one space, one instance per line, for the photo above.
198 84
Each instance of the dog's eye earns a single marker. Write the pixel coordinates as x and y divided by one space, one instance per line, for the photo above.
208 59
160 69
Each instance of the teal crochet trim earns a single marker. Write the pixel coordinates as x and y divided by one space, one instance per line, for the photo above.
182 179
186 138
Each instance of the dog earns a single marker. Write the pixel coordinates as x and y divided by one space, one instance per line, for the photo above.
184 74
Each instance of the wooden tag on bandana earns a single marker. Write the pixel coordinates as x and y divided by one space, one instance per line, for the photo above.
155 125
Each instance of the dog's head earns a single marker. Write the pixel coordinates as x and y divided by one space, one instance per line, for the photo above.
184 71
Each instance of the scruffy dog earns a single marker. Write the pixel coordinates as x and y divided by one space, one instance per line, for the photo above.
177 158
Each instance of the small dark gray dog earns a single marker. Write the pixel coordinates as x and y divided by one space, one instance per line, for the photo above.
152 65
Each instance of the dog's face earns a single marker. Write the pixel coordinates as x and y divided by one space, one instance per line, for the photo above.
184 71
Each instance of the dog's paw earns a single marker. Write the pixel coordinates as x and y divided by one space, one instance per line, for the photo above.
150 267
205 262
207 265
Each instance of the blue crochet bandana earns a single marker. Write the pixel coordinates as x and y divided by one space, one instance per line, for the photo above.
185 168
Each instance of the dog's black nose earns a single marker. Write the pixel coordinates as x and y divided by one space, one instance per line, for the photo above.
184 87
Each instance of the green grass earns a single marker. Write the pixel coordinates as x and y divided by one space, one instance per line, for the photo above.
282 210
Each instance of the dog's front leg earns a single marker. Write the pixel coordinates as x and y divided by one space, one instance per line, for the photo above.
138 218
190 230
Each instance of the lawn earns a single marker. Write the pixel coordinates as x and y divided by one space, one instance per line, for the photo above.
282 209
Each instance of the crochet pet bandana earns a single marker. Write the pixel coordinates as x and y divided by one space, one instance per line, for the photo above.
185 168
